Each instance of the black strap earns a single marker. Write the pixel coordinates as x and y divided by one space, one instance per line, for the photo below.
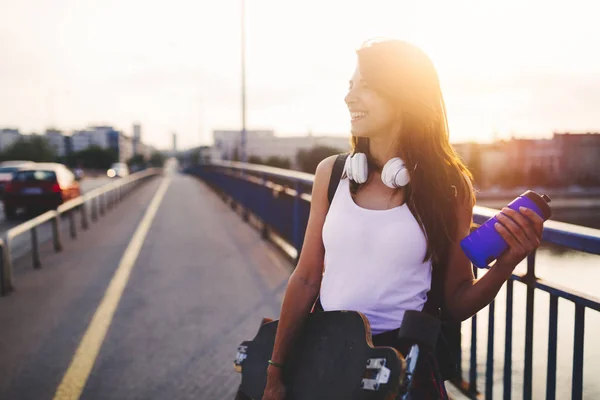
336 175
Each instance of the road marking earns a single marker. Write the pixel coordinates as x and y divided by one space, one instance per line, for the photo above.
83 361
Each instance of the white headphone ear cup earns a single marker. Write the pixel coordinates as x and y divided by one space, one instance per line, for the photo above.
352 167
348 168
360 167
395 174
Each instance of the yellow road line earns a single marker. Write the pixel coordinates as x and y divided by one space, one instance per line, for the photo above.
83 361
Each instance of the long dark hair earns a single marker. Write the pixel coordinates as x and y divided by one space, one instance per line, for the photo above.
404 75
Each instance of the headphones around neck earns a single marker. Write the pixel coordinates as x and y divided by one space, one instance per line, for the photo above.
394 173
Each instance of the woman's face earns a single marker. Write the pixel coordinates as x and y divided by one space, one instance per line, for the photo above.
370 114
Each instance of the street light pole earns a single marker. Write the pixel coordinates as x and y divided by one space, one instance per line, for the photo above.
243 42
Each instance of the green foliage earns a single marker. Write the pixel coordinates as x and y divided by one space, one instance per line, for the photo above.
236 155
33 148
255 160
137 162
309 159
94 157
273 161
278 162
157 159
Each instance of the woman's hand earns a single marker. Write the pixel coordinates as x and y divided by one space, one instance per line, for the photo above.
274 390
523 233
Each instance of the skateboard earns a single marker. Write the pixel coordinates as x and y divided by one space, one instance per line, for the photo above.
334 358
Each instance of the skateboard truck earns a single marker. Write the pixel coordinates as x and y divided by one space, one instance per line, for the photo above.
240 357
383 374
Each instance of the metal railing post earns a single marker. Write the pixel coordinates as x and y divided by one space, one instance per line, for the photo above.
56 233
72 226
263 216
84 217
472 390
94 209
35 250
6 279
529 308
108 199
101 201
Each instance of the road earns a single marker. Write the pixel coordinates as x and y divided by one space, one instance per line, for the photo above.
200 283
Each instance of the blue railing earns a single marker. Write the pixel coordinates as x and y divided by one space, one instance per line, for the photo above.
280 199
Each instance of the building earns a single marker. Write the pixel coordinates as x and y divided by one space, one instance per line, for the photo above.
579 157
105 137
8 137
174 135
122 144
228 142
93 136
57 141
137 138
264 144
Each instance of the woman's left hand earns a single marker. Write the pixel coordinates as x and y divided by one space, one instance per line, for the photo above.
523 233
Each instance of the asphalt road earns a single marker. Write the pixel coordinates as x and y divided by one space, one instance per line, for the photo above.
201 283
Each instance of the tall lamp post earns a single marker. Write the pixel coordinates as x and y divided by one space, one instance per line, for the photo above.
243 43
245 214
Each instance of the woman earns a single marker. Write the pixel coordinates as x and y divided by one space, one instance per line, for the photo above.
376 247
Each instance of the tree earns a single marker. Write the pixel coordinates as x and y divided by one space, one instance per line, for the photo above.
137 162
93 157
195 157
34 148
272 161
236 154
255 160
157 159
278 162
309 159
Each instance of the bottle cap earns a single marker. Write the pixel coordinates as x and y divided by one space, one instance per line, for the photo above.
541 201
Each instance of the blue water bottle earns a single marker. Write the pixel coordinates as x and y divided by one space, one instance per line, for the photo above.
485 244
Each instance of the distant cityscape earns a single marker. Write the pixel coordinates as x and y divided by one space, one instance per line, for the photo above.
566 159
105 137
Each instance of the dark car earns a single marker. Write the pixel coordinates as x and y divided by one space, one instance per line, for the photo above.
8 169
42 186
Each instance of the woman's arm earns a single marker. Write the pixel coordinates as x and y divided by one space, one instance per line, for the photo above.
465 295
305 282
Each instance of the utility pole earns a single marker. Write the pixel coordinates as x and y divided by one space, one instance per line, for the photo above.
243 43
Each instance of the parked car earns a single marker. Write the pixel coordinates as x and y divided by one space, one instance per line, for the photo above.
41 186
8 169
118 170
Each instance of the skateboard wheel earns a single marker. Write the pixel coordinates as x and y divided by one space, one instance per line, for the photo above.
420 328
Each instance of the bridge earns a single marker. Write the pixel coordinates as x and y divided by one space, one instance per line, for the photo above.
143 288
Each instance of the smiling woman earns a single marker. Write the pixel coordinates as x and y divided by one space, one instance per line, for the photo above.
387 241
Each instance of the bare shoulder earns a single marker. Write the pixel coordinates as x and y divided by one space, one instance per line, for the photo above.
325 167
322 176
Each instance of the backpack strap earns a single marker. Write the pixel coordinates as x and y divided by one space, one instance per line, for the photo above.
336 175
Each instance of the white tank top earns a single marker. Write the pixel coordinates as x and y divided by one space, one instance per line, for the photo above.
373 261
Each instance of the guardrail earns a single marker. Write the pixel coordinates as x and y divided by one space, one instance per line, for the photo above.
99 200
280 199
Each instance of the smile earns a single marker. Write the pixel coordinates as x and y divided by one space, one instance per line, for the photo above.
356 115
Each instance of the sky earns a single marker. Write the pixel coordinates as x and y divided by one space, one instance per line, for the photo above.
512 67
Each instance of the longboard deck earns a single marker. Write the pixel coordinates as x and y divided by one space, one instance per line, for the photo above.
333 358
